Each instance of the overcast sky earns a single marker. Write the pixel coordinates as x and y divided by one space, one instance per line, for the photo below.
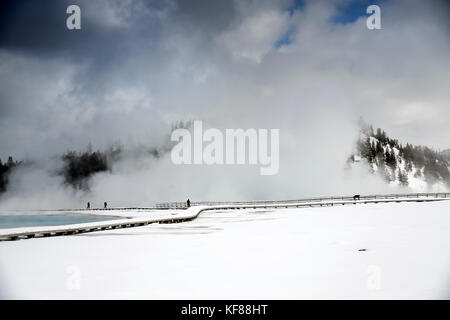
309 68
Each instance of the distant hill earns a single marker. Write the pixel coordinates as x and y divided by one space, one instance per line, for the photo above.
418 167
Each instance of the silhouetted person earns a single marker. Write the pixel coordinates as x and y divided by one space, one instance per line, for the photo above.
105 205
188 203
88 205
356 197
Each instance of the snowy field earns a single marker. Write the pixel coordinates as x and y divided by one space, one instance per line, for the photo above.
373 251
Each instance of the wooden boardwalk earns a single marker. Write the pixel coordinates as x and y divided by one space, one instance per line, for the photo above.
194 211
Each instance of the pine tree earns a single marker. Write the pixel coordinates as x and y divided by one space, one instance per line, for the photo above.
5 169
365 149
408 166
402 178
10 162
391 160
387 175
379 148
418 173
2 176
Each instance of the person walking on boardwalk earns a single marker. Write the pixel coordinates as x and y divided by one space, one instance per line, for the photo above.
88 205
188 203
105 205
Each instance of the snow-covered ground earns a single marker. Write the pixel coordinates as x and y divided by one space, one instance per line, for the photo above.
364 251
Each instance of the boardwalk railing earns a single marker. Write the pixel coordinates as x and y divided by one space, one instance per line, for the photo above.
182 205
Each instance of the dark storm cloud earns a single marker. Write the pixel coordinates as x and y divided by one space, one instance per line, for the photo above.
26 26
111 32
210 16
39 28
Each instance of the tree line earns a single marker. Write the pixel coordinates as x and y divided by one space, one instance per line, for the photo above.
5 169
79 166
